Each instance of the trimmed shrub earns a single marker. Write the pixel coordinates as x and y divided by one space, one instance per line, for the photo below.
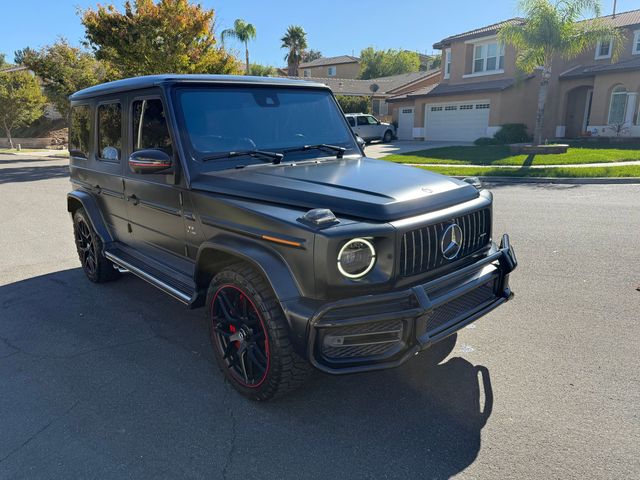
512 133
485 141
351 104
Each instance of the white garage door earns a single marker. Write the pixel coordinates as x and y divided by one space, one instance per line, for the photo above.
463 122
405 123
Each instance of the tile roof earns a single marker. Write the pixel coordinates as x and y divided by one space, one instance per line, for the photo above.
591 70
478 32
348 86
622 19
329 61
444 89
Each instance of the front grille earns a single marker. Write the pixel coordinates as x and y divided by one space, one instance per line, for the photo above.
442 315
420 249
360 350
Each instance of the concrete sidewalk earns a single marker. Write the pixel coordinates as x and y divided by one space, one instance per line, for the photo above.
379 150
574 165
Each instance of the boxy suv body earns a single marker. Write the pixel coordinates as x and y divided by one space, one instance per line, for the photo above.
369 128
253 198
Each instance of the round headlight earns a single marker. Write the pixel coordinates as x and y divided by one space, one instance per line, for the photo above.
356 258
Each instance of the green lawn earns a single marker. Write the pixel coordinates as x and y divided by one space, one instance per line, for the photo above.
573 172
500 155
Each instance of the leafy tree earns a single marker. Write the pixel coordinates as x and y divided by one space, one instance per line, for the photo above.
553 30
243 32
3 62
350 104
258 70
311 55
383 63
171 36
295 40
64 70
21 101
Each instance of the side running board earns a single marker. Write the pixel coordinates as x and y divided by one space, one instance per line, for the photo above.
167 283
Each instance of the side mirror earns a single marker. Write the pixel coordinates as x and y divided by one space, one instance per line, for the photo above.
149 161
361 142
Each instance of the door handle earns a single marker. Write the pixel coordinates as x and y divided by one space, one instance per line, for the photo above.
133 199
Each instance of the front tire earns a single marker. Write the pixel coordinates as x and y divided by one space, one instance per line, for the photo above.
250 335
96 266
388 136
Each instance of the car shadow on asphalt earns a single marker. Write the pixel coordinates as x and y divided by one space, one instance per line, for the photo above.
122 356
30 174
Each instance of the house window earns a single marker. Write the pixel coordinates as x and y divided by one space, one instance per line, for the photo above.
307 73
488 57
451 107
447 63
110 132
436 109
636 43
603 49
482 106
618 105
331 71
466 107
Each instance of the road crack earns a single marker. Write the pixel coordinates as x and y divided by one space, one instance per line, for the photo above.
39 432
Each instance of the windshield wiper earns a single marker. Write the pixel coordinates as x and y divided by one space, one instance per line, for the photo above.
339 151
275 158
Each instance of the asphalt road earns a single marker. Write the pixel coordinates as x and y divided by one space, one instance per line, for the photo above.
118 381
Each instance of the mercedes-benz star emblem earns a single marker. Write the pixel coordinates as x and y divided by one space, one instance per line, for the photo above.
451 241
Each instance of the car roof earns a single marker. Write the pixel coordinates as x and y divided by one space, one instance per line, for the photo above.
147 81
354 114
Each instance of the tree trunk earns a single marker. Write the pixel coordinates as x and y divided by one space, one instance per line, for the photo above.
246 55
292 68
542 103
8 130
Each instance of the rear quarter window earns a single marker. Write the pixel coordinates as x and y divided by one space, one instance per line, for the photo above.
80 131
351 121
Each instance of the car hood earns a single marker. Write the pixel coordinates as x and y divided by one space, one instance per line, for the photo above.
364 188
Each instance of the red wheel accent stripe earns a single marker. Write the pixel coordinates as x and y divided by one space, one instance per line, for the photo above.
264 329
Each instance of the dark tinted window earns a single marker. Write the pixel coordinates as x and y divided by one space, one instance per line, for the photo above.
80 131
150 129
268 118
351 121
363 121
110 131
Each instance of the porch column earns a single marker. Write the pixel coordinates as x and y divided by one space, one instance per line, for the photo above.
632 98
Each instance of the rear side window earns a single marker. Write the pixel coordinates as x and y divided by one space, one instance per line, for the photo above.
351 121
80 131
110 131
363 121
150 129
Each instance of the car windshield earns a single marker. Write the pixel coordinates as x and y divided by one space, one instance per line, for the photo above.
220 120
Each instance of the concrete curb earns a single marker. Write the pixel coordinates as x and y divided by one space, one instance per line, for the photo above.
561 180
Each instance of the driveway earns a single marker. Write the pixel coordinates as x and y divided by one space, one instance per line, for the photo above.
117 380
380 149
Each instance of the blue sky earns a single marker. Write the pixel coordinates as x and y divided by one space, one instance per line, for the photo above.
334 27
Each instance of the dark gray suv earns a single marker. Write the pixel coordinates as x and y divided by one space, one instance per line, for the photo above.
253 198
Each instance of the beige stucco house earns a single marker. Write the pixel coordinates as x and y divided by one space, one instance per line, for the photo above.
480 89
343 66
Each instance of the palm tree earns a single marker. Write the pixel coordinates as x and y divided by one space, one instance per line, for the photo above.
296 41
553 30
243 32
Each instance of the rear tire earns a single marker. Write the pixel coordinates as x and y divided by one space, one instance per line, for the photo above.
250 335
90 250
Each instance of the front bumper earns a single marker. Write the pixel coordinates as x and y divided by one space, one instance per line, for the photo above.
374 332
